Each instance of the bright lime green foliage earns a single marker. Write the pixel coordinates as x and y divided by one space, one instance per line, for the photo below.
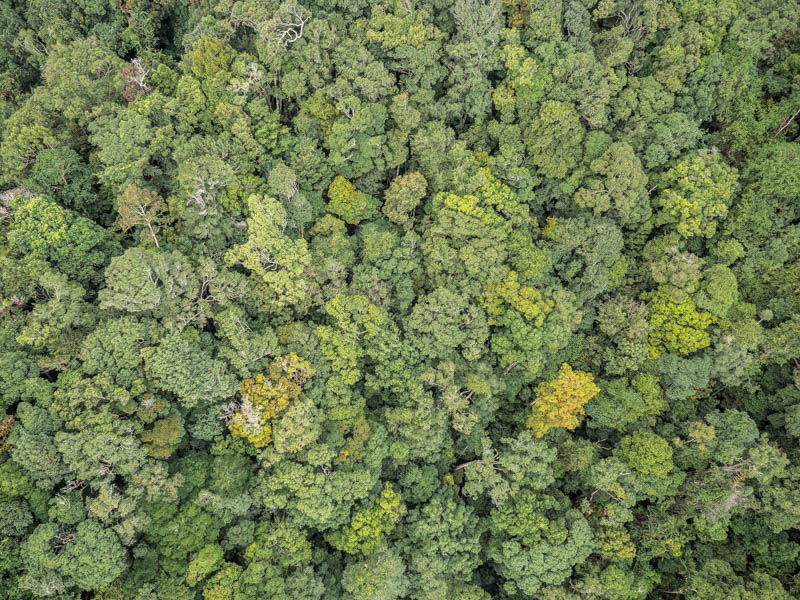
677 327
73 244
492 203
697 193
209 58
369 526
25 135
524 299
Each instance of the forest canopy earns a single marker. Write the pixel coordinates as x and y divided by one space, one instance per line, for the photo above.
399 300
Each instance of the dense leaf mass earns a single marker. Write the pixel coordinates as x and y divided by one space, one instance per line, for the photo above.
399 299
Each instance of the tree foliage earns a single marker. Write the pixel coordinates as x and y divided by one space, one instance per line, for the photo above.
559 401
399 299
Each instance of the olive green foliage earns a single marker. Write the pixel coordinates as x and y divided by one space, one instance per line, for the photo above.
348 203
399 299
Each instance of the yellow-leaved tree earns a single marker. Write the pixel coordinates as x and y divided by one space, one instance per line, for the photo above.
264 397
559 401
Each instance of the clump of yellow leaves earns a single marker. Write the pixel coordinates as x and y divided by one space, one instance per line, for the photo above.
559 401
264 397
